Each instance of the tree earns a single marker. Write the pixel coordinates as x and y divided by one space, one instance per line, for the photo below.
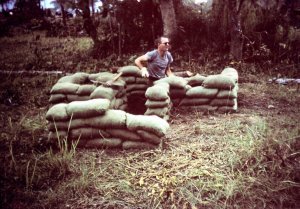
236 34
168 18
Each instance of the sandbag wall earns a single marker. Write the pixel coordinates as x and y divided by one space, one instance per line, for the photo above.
212 93
94 125
136 85
83 86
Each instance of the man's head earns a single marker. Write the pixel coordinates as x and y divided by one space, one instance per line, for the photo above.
162 43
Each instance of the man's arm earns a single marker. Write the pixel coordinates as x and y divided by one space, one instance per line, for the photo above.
169 72
138 61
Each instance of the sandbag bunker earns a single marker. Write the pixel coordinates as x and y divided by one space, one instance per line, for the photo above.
87 110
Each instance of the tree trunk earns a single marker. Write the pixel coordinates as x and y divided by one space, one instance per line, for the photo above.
168 18
63 14
236 38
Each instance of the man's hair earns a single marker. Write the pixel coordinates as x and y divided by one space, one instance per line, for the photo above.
158 40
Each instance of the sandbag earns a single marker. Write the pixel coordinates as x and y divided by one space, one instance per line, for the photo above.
58 112
137 145
202 92
130 70
132 87
157 104
149 137
157 92
104 143
74 97
160 112
227 94
88 133
231 72
141 80
195 80
102 77
194 101
66 125
77 78
203 108
137 93
219 82
103 92
123 107
111 119
124 134
89 108
86 89
128 79
64 88
222 102
153 124
57 98
173 81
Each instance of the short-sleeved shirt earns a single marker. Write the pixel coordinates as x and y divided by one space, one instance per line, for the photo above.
157 65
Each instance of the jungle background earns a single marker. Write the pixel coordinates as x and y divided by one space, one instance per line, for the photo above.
248 159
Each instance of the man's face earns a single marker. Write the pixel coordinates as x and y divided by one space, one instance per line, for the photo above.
164 44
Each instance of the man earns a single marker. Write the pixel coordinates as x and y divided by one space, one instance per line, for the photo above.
158 61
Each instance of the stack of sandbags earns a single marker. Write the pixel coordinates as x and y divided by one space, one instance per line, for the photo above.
135 83
71 88
94 125
158 100
217 92
227 83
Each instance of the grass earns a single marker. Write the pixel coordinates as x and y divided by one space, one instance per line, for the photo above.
249 159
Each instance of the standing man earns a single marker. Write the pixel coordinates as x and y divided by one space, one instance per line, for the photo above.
158 61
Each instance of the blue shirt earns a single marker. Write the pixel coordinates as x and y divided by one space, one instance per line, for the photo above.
157 65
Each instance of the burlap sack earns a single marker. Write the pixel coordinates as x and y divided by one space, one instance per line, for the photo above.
124 134
128 79
64 88
137 145
87 133
104 143
86 89
132 87
228 94
160 112
77 78
58 112
102 77
142 80
111 119
137 93
74 97
222 102
130 70
201 92
194 101
89 108
195 80
231 72
57 98
173 81
103 92
149 137
219 82
152 123
157 92
123 107
157 104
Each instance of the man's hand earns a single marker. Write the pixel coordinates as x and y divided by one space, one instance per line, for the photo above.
144 72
